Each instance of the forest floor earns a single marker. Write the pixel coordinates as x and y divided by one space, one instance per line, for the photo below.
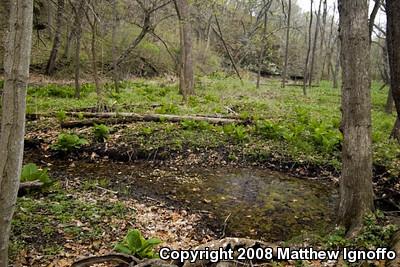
282 130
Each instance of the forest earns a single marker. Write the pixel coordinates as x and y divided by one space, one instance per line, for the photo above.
193 133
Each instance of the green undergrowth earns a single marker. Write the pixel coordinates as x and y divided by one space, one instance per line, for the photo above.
47 221
284 122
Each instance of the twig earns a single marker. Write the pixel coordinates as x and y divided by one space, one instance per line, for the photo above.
225 224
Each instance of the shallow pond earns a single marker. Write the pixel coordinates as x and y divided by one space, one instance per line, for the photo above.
243 202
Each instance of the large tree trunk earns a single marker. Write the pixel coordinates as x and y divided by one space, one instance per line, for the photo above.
356 194
393 43
186 74
16 67
285 69
51 63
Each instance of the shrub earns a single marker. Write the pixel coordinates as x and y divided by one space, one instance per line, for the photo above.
69 142
101 132
31 172
135 244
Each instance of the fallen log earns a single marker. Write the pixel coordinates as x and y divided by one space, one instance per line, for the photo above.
120 118
30 185
25 187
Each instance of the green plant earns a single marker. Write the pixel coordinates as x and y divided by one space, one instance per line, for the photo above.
80 116
101 132
68 142
31 172
374 234
61 116
237 132
135 244
168 108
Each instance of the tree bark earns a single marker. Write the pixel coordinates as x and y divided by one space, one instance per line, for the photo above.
393 43
51 63
4 15
285 70
16 67
356 193
186 74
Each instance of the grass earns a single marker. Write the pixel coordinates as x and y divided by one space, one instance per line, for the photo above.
288 124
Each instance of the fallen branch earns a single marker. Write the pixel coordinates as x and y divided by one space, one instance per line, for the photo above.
117 118
122 259
117 258
30 185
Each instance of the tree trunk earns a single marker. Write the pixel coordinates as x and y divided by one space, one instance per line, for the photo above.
263 48
285 70
356 193
335 71
114 45
322 46
99 91
16 67
314 59
79 12
306 72
68 39
393 43
51 63
186 74
389 102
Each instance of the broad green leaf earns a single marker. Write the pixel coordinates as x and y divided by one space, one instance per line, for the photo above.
134 239
122 249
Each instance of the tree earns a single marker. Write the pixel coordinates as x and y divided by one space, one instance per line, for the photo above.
314 59
93 19
79 11
114 45
51 63
285 69
186 74
4 14
16 72
356 193
393 42
306 71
